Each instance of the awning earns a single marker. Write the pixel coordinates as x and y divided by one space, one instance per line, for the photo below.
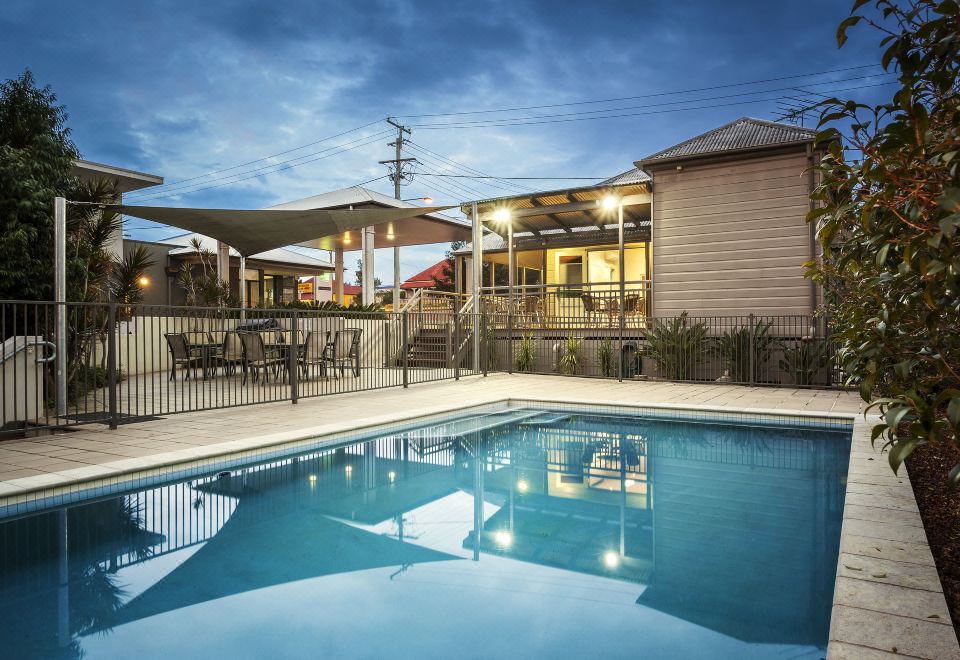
253 231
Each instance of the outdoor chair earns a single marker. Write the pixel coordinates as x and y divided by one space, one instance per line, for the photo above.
314 352
531 308
181 355
344 350
592 305
633 306
231 353
257 358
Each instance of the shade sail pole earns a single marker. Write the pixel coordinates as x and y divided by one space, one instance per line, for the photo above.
366 267
338 273
60 299
243 284
476 274
396 278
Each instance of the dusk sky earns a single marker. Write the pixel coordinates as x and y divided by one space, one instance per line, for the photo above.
183 89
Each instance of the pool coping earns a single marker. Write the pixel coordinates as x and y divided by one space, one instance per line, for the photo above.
888 600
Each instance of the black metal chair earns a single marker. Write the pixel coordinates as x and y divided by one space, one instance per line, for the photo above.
344 350
181 355
231 353
257 358
314 352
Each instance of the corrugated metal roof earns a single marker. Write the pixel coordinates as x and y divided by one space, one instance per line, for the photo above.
744 133
636 175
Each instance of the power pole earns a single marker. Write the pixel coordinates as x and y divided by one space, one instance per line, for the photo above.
397 175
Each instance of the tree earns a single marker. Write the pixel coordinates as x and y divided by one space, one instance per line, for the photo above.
205 289
888 224
36 157
358 276
446 281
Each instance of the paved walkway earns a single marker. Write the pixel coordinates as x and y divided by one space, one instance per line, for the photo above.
94 450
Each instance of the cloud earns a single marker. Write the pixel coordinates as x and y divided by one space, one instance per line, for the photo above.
185 89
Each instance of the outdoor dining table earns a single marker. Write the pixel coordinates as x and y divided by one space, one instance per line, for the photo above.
207 351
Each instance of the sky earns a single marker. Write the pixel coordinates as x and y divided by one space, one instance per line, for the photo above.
186 90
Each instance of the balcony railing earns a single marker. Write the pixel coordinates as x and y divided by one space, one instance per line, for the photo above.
585 304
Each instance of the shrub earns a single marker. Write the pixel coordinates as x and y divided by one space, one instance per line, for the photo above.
525 355
569 362
736 349
677 347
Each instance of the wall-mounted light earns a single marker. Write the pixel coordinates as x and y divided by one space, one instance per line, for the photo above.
503 538
346 238
143 281
611 559
502 215
522 486
609 202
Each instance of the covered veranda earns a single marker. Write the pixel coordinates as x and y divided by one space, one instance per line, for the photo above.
575 257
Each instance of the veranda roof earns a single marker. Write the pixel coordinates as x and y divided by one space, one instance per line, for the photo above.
253 231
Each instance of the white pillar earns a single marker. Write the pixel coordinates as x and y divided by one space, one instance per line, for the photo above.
511 265
396 278
338 274
243 281
60 298
223 262
476 277
368 245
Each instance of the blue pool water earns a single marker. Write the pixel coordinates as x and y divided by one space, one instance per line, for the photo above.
599 536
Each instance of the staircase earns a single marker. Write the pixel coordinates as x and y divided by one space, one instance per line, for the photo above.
429 349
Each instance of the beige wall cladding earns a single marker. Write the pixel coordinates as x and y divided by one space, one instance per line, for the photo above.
730 238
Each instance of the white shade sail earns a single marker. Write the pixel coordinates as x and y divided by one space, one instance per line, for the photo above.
250 232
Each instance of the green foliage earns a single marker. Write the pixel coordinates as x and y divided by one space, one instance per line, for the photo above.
806 362
355 308
36 160
525 354
676 346
605 356
569 361
889 226
204 289
737 345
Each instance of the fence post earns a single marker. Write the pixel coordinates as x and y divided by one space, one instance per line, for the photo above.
112 363
752 348
293 352
404 346
456 344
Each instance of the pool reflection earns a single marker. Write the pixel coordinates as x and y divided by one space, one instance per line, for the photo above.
734 532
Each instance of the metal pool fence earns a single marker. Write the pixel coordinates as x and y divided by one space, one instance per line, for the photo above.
114 363
111 363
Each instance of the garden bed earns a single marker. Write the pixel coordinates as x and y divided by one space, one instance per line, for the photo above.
940 510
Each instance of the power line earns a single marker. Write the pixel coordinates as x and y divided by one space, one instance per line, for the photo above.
522 178
262 171
529 121
279 153
439 158
570 117
644 96
509 187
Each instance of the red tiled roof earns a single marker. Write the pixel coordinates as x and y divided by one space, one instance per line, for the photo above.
351 290
426 278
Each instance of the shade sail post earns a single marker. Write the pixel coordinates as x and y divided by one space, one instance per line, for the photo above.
243 283
396 277
60 299
368 286
338 274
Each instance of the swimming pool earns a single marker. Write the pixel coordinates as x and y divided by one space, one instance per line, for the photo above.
599 535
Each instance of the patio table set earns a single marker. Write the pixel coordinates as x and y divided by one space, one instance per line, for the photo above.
532 310
262 353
